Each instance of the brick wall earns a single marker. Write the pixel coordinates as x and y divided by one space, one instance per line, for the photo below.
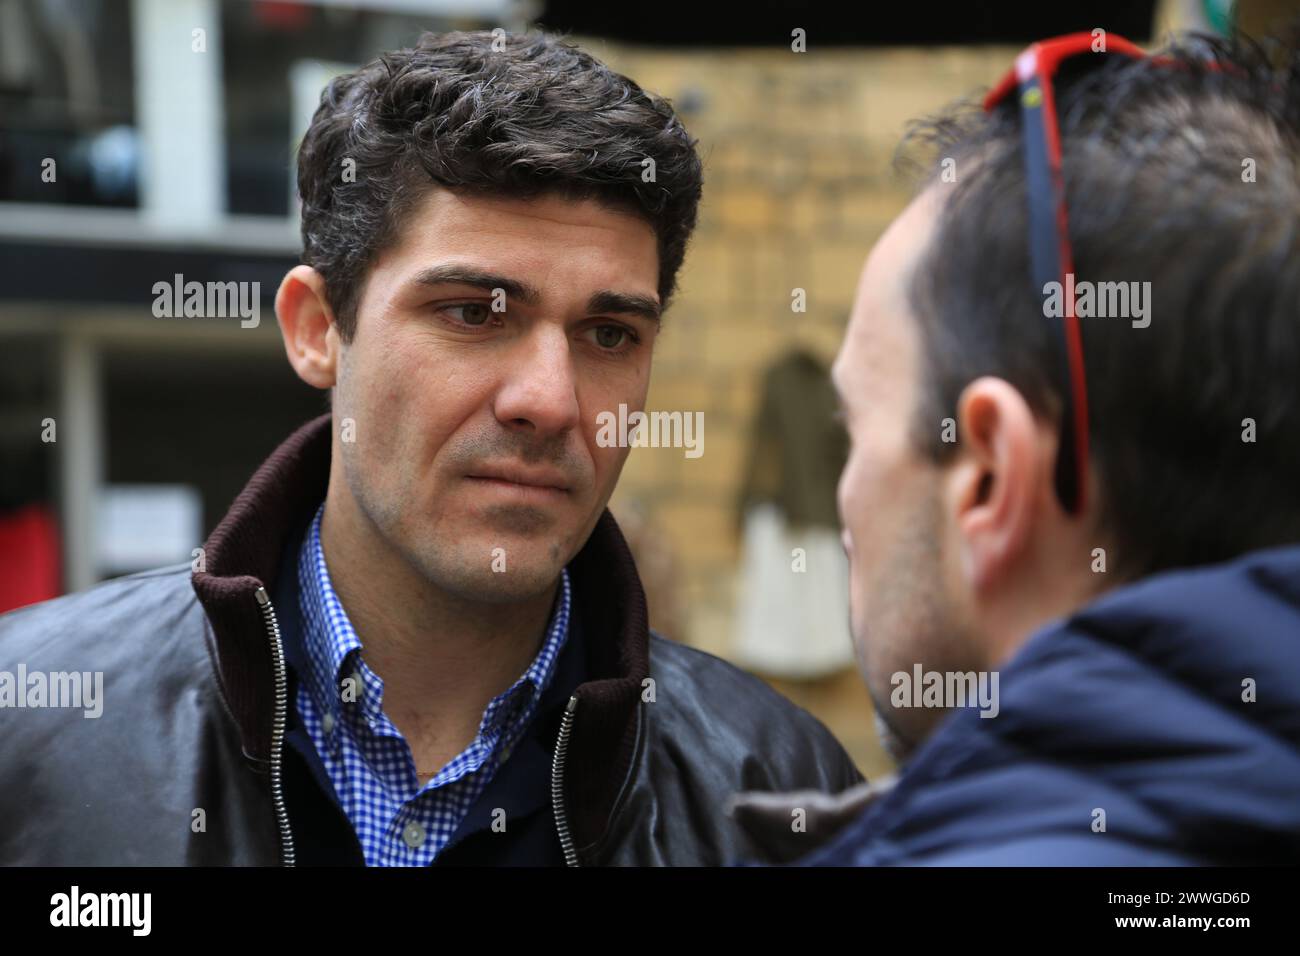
798 185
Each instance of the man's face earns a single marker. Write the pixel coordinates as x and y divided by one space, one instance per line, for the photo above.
895 529
475 454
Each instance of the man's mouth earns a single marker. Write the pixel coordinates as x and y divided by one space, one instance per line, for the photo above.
528 484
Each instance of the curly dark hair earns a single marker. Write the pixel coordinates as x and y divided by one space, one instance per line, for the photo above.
518 116
1156 156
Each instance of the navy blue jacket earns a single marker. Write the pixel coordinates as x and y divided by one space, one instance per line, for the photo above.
1134 706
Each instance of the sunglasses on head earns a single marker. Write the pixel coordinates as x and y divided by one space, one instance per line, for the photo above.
1051 258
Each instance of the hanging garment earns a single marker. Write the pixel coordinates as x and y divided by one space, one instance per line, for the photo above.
792 604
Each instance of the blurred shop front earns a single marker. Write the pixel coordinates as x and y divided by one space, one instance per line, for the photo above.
148 144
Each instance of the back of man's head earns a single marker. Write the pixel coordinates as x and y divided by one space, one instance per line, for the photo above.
1183 173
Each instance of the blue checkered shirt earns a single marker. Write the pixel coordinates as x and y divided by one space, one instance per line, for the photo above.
398 821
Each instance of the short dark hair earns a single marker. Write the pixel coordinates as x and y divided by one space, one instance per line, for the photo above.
1154 163
506 115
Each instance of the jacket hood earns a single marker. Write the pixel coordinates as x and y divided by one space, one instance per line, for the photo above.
243 554
1171 705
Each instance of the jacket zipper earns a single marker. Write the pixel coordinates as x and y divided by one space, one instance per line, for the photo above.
557 783
277 746
277 726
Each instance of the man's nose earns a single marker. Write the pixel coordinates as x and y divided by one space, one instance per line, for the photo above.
539 393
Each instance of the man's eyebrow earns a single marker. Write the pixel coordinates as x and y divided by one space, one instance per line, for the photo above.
463 275
626 303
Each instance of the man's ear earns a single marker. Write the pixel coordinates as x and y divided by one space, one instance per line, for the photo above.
307 324
993 488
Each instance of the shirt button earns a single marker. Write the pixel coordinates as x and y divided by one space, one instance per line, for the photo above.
327 722
413 835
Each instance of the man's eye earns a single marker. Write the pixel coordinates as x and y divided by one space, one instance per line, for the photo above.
471 313
612 336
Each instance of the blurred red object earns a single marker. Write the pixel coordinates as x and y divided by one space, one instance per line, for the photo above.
282 14
29 556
